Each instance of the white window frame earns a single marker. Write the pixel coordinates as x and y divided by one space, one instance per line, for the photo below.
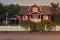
35 9
45 17
24 16
35 16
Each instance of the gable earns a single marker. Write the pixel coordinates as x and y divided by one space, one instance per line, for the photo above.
34 8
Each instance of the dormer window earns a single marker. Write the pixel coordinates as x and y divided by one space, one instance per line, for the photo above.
35 9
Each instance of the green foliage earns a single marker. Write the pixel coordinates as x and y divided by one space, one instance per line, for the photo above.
2 10
25 24
55 5
11 9
42 27
55 16
33 26
49 27
36 26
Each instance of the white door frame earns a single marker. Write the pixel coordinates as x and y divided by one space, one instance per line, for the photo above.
35 20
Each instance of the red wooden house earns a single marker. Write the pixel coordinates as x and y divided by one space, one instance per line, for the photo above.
34 13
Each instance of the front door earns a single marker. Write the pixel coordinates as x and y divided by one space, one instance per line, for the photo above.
36 18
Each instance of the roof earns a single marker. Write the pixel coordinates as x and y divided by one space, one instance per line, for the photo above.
24 10
45 9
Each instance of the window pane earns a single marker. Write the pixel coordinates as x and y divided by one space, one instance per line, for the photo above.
35 9
36 16
24 17
45 17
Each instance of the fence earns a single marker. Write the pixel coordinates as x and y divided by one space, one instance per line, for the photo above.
13 28
19 28
57 28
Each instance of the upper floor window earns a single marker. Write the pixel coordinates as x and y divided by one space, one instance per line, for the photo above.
35 9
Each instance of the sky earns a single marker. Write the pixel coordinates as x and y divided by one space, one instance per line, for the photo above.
29 2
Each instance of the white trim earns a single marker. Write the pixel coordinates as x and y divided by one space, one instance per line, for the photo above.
45 17
40 8
25 16
35 9
36 20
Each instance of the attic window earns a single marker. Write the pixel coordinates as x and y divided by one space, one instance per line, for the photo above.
35 9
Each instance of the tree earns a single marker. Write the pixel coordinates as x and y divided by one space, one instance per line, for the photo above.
55 5
12 9
55 15
2 10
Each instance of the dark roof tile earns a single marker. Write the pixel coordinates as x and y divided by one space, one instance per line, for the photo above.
45 9
24 10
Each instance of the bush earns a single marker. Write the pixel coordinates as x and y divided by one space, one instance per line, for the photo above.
41 27
25 24
30 24
36 26
48 25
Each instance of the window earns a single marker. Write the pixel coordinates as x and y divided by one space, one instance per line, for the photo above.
45 17
36 16
35 9
24 17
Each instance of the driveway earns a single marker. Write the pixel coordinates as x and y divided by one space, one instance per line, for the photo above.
29 36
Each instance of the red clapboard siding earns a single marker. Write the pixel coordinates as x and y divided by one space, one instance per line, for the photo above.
29 17
31 8
21 18
49 17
